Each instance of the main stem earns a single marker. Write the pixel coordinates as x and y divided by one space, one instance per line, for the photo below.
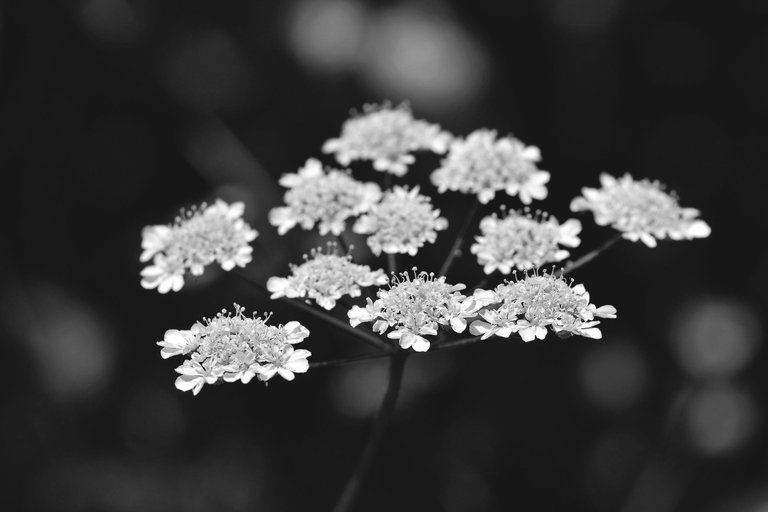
352 489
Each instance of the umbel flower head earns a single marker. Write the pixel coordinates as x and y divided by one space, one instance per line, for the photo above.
325 278
387 136
530 305
641 210
523 241
198 237
413 307
235 347
402 222
483 164
326 198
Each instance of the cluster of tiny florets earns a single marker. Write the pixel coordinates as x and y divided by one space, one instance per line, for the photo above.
409 307
483 164
199 237
326 198
640 210
523 240
388 137
325 278
531 305
234 348
402 222
414 307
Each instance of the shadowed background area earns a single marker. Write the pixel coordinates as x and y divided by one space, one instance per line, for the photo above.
116 113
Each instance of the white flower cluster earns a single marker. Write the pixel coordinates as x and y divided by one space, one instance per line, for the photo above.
327 198
524 241
235 348
325 278
199 237
387 136
641 210
414 307
483 164
531 305
402 222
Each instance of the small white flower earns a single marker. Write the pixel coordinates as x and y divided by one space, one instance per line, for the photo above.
386 136
523 241
325 278
199 237
285 363
531 305
483 164
402 222
323 197
234 348
193 377
640 210
414 307
176 342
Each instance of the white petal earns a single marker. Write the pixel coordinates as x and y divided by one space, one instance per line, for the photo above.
458 324
527 333
300 365
478 327
286 374
606 312
189 382
698 229
277 286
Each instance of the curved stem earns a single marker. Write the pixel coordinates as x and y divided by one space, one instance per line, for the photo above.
352 489
456 247
369 338
591 255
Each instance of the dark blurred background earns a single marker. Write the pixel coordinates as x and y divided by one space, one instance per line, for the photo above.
116 113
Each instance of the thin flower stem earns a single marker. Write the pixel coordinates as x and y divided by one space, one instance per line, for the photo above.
348 360
343 244
353 486
448 345
591 255
369 338
456 247
461 342
392 262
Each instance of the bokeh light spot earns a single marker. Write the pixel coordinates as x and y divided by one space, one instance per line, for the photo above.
425 57
715 336
719 419
326 35
73 349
